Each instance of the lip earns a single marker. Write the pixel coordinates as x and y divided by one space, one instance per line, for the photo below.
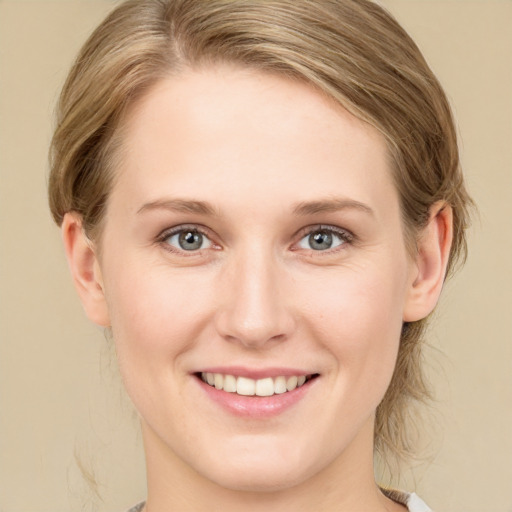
256 407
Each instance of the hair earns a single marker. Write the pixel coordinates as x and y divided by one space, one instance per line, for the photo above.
353 51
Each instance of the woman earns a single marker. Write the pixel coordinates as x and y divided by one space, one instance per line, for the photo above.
261 200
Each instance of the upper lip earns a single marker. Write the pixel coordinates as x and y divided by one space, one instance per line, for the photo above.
256 373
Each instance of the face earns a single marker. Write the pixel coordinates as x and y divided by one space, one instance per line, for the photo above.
256 276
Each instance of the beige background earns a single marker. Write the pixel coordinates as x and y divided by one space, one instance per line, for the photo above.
59 393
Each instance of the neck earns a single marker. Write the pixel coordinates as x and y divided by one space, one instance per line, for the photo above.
345 485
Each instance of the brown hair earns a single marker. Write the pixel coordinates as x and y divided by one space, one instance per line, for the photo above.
352 50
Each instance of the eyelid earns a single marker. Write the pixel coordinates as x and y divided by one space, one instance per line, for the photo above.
347 236
168 232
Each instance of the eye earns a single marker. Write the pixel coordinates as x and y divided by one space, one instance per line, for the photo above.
323 239
187 239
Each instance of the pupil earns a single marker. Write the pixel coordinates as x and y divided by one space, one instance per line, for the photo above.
190 240
320 240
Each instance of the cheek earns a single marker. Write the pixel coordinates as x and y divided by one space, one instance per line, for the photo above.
156 315
156 321
358 317
358 300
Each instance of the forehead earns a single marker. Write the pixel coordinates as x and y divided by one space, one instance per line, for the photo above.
239 131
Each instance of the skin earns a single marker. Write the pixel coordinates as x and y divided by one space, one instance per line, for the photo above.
256 149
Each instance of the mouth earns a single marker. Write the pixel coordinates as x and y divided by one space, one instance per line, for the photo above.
264 387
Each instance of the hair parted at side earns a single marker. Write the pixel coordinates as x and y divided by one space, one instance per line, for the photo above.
352 50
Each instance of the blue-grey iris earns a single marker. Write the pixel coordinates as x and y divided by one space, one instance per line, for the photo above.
190 240
320 240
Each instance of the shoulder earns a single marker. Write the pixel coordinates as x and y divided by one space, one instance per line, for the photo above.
137 508
416 504
411 500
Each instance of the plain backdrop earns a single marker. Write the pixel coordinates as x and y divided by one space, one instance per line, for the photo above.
61 403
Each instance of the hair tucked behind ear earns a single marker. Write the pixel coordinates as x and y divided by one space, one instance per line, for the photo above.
352 50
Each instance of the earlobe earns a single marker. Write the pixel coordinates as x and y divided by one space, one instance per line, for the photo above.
433 251
85 269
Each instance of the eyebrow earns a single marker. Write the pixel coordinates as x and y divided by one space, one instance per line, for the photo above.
302 209
330 205
180 205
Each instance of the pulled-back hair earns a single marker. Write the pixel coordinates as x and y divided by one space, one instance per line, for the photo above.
354 51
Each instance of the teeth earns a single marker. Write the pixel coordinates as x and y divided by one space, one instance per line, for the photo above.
219 381
265 387
280 385
246 387
291 383
230 384
251 387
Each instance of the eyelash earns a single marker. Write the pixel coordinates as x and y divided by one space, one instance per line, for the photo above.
346 237
194 228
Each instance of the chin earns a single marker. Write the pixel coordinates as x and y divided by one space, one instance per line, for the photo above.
252 479
260 469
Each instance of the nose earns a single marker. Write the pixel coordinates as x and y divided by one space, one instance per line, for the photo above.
254 307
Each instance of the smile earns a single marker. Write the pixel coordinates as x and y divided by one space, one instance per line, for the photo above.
254 387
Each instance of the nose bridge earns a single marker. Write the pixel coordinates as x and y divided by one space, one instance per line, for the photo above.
255 310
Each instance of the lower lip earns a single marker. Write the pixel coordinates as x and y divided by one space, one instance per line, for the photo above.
256 406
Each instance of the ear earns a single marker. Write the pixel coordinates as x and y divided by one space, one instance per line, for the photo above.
429 270
85 269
